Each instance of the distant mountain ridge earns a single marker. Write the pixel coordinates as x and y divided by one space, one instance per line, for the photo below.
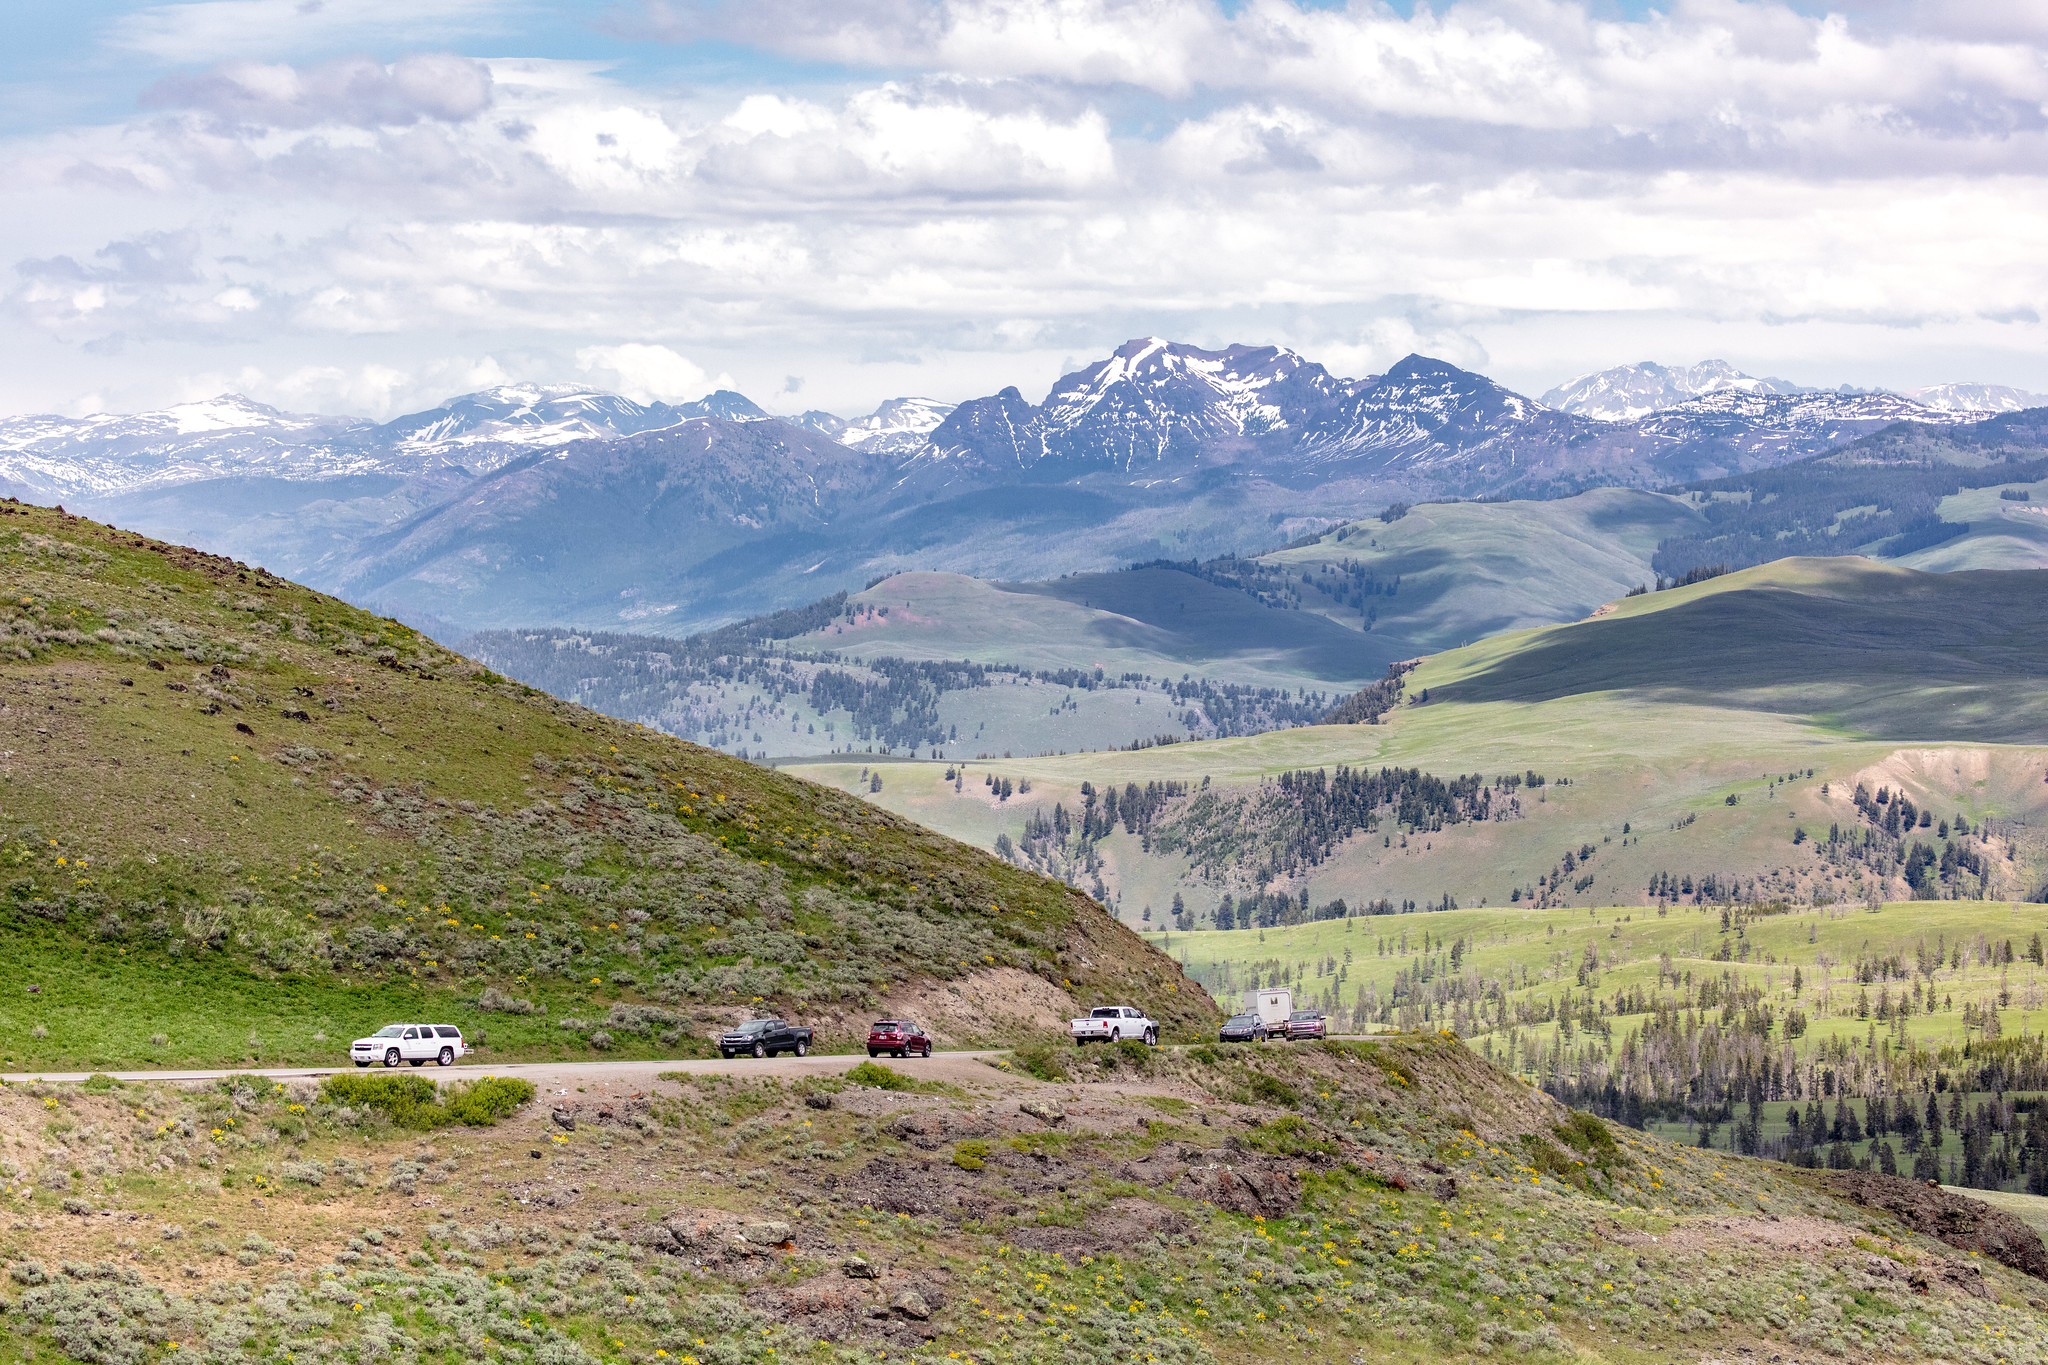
530 504
1627 392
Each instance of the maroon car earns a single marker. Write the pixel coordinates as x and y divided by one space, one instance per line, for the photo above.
1306 1024
898 1036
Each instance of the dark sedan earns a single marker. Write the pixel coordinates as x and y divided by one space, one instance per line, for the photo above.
1307 1024
1242 1028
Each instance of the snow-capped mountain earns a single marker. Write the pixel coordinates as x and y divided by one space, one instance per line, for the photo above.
897 426
539 503
1977 398
1149 404
1154 406
528 414
234 437
1425 412
1626 392
53 456
1745 428
550 414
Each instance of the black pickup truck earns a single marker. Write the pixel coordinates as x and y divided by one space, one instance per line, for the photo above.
765 1038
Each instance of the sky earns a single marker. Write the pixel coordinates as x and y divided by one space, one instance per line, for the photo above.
366 206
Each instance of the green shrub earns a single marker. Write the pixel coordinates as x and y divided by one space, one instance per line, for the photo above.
405 1100
482 1103
1391 1069
1582 1132
971 1155
878 1076
1204 1054
415 1102
1547 1157
1135 1054
1288 1136
1041 1059
99 1080
1269 1090
1043 1141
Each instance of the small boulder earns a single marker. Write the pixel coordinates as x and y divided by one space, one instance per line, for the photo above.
655 1237
564 1119
766 1234
911 1305
859 1268
819 1099
1045 1111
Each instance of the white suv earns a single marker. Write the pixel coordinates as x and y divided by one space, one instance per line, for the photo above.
415 1043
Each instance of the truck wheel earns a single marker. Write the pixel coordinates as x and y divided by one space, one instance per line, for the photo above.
391 1056
760 1051
1151 1037
447 1057
802 1047
1116 1035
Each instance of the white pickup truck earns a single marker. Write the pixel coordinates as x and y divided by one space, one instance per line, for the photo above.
1112 1023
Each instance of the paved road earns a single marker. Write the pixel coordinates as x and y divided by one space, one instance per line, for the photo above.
950 1066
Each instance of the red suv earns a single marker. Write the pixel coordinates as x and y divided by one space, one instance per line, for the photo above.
899 1036
1306 1024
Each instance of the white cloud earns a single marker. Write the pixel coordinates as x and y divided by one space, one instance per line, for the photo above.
646 373
351 91
1023 180
212 30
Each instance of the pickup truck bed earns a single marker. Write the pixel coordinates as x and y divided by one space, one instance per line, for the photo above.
1113 1023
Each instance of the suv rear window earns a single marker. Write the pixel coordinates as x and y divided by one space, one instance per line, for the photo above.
448 1031
887 1025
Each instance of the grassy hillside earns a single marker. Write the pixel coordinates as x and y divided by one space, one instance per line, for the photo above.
1738 764
1868 649
247 821
2004 532
1468 570
1212 647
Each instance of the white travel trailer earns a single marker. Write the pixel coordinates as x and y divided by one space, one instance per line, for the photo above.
1273 1005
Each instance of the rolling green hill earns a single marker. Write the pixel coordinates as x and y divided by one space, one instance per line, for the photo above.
1868 649
1195 649
1468 570
1719 729
247 821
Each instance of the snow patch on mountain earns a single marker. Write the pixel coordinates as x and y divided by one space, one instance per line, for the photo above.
897 426
1627 392
1977 398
